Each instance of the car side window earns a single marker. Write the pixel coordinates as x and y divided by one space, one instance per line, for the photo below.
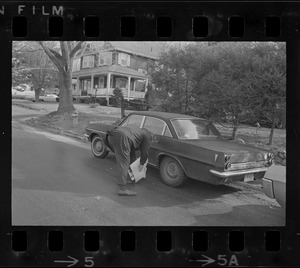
167 132
133 120
154 125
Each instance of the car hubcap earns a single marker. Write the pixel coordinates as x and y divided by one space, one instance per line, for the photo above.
98 146
172 169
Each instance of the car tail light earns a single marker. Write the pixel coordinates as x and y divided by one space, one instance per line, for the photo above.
227 158
227 165
271 159
227 162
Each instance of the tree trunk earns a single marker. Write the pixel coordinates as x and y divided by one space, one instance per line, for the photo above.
65 93
283 121
187 95
122 104
235 128
272 130
37 92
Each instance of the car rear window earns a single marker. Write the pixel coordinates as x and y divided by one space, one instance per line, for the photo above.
133 120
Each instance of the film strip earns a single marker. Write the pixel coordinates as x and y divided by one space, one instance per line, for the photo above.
226 245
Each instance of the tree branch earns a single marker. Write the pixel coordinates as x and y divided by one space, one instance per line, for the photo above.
77 47
56 54
51 55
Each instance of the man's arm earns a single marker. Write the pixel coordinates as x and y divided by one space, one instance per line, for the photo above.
145 145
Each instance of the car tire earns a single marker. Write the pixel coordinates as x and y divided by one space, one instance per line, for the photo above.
171 172
98 147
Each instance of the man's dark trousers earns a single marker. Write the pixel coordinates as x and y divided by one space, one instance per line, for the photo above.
124 142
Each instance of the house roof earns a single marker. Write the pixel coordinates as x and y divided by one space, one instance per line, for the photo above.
146 49
116 69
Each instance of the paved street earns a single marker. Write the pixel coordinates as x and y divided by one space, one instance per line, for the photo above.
57 181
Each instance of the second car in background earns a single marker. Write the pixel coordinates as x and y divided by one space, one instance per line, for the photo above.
48 97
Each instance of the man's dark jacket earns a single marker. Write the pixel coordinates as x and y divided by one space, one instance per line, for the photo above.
139 138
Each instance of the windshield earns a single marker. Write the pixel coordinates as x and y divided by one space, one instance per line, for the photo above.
194 129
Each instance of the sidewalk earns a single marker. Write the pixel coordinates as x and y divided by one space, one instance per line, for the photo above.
67 127
84 108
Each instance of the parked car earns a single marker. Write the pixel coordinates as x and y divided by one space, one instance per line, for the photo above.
48 97
189 147
57 98
24 94
274 184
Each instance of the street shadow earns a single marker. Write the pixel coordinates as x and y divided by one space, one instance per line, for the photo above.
151 191
75 170
245 215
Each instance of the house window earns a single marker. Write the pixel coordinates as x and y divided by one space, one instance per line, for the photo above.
88 61
100 81
105 59
124 59
85 84
140 85
76 65
121 82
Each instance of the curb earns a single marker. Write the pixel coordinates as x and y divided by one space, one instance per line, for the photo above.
28 106
53 130
73 135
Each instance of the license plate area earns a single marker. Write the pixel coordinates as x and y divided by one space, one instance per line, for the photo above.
249 177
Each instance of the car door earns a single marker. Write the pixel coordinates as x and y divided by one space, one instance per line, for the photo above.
159 128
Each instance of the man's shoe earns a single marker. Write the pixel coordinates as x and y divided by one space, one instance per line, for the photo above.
126 192
129 181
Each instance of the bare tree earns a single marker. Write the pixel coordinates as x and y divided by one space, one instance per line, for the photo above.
30 65
64 62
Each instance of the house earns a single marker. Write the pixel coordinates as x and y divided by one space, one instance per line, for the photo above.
103 66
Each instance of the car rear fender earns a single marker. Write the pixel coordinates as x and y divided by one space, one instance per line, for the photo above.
162 155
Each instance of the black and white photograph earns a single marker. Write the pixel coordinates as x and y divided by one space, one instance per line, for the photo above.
156 133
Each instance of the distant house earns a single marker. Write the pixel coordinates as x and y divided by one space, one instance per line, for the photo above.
103 66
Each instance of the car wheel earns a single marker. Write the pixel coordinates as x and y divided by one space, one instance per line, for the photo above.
171 172
98 147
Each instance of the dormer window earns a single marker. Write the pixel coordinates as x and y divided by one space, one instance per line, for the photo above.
88 61
124 59
88 45
105 59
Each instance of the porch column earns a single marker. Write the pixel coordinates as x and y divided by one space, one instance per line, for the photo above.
92 85
78 86
77 83
134 84
108 88
129 87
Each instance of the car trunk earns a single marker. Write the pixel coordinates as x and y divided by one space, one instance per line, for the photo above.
239 153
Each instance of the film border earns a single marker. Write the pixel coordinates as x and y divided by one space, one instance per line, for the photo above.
146 253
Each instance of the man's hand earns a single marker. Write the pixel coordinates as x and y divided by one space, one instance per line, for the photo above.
140 168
